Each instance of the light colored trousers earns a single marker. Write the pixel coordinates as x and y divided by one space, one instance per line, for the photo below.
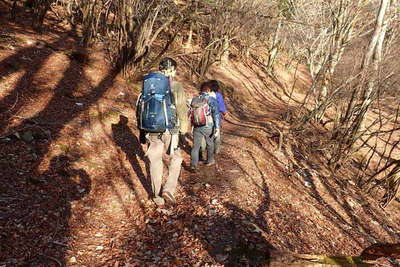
157 146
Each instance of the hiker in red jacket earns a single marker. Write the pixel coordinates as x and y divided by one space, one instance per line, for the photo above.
206 124
214 88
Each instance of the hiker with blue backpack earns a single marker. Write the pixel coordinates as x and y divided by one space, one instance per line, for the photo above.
162 115
204 115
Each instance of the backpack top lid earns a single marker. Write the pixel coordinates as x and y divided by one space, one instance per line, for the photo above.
199 101
156 75
156 83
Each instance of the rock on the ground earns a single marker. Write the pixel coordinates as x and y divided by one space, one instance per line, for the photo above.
164 211
27 136
72 260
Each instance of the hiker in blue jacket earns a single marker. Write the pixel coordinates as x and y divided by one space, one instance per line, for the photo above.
206 124
214 86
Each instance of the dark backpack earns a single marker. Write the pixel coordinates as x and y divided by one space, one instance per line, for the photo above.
156 108
200 112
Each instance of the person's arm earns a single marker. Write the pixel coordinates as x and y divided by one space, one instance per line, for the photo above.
181 107
221 103
142 134
137 111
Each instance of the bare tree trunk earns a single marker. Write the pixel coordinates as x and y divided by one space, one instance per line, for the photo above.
274 48
190 37
39 10
325 51
14 10
225 50
372 57
391 184
352 124
378 36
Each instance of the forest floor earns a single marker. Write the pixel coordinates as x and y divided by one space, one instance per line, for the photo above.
74 177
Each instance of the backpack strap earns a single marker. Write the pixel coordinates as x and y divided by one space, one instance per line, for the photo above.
173 102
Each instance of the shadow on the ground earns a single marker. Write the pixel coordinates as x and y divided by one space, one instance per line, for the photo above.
130 145
232 235
203 228
28 186
349 201
36 212
305 161
304 164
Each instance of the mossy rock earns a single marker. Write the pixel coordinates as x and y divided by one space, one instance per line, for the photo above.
64 148
8 38
108 116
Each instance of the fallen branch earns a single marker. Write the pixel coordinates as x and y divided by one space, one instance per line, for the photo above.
281 136
15 103
53 259
58 243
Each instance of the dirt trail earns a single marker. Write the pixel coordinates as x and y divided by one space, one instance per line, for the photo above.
75 186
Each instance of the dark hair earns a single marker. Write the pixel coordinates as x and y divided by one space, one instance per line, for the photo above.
204 86
214 85
167 63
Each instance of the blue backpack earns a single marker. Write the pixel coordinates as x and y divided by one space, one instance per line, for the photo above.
156 108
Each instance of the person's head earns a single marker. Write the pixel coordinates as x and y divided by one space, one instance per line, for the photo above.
168 66
214 85
205 87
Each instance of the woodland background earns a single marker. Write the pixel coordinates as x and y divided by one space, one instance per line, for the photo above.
340 103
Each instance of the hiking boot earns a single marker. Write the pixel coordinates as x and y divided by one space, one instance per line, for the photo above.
159 201
193 169
202 157
169 197
210 163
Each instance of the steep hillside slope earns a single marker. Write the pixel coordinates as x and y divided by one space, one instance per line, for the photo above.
75 187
